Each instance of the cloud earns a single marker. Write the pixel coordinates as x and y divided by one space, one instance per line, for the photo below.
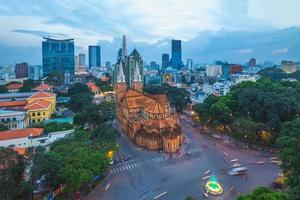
280 51
142 20
245 51
40 33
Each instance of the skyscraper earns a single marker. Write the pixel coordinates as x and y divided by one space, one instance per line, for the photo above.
81 59
124 46
94 56
108 64
35 72
165 61
58 55
21 70
176 54
189 64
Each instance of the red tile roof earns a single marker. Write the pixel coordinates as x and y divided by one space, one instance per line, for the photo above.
14 86
12 103
42 95
93 86
105 78
21 151
38 105
20 133
43 87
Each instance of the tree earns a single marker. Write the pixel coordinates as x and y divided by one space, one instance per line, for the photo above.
79 101
289 154
3 126
104 85
55 78
153 89
273 73
54 126
95 114
74 161
263 193
12 184
178 97
28 85
3 89
79 88
221 114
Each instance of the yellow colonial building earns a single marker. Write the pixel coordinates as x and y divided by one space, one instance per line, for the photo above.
40 106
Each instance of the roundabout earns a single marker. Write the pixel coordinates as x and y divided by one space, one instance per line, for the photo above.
213 187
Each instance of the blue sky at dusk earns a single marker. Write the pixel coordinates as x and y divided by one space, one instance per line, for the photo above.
233 30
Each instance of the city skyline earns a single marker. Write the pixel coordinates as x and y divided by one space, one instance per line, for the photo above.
197 23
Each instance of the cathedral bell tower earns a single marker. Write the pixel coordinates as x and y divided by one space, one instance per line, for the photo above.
137 81
120 87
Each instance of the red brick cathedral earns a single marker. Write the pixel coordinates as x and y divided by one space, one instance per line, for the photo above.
146 119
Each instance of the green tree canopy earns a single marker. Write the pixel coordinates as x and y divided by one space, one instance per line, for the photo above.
12 184
3 89
104 85
289 154
73 161
262 193
55 78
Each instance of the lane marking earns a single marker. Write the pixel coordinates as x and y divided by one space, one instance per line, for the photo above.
108 185
160 195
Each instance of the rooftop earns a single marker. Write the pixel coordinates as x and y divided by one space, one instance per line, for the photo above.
43 87
38 105
42 95
14 86
12 103
20 133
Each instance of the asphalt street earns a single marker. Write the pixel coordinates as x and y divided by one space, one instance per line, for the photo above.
153 175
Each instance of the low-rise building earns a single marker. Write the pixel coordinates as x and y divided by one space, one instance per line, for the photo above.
14 119
40 106
14 87
43 88
221 88
238 78
21 139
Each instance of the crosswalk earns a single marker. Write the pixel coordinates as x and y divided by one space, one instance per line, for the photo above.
135 164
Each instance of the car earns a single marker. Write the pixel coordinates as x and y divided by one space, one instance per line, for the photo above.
236 164
237 171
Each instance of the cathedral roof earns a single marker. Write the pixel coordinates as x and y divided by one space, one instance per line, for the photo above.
152 104
159 124
154 107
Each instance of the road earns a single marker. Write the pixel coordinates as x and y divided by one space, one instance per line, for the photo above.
152 175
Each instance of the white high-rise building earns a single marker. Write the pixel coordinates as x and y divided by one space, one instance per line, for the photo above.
213 70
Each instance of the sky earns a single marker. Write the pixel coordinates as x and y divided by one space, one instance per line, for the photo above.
147 24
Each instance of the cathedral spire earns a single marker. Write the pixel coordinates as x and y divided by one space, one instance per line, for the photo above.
120 77
137 74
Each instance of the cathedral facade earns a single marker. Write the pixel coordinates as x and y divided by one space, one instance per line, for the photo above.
146 119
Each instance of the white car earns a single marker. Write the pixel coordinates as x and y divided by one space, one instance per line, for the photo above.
237 171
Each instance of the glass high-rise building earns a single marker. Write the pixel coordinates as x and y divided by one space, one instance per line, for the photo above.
94 56
35 72
176 54
58 55
165 61
81 59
